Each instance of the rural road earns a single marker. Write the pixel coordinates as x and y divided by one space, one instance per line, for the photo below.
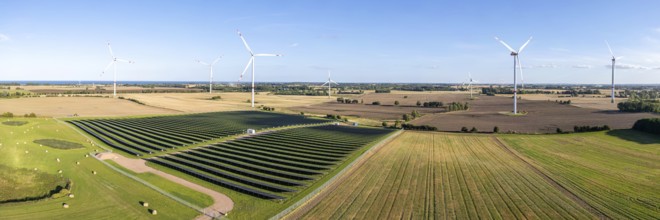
221 202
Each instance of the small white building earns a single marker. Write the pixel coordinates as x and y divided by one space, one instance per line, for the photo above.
251 131
355 124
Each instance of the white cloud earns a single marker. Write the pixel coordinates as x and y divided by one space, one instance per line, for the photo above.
582 66
294 45
629 67
542 66
4 37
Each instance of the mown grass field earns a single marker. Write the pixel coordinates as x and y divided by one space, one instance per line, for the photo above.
617 172
438 175
106 195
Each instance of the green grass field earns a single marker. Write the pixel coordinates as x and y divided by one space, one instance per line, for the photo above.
422 175
617 172
107 195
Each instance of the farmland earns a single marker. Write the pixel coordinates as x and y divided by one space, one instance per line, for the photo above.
106 195
139 136
437 175
81 106
617 172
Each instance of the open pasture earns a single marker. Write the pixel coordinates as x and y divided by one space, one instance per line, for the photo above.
617 172
138 136
274 165
105 195
422 175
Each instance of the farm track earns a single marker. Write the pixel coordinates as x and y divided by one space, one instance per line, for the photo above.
554 183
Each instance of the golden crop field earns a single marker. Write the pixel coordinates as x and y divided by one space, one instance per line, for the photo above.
423 175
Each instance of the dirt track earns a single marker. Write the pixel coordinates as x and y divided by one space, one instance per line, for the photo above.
222 203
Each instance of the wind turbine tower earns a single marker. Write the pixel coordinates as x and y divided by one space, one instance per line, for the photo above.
210 71
251 62
515 54
113 63
329 82
613 66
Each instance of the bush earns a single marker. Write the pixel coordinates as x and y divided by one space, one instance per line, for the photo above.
384 124
7 115
415 114
383 91
559 131
639 106
419 127
457 106
464 129
396 102
587 128
376 103
419 103
217 97
474 130
496 129
433 104
406 117
649 125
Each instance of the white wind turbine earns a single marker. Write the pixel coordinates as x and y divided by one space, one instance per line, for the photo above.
329 82
470 83
251 61
613 65
516 62
210 71
114 64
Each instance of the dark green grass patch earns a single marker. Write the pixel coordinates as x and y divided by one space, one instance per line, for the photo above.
59 144
14 123
24 184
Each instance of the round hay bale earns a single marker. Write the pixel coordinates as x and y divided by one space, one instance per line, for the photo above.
64 205
77 163
86 155
27 152
94 172
145 204
36 169
59 171
46 151
58 159
71 195
154 212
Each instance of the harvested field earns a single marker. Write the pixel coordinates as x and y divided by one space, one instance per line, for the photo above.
588 101
387 110
103 89
617 172
83 106
443 176
542 117
201 102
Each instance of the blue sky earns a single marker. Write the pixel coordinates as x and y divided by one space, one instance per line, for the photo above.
368 41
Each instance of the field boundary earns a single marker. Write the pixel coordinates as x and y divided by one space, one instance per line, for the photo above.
319 193
552 182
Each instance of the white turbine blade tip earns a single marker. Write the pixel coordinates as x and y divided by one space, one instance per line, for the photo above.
524 45
505 44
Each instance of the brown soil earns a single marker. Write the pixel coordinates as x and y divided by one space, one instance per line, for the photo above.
542 116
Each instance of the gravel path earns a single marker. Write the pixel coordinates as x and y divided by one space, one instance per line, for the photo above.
222 203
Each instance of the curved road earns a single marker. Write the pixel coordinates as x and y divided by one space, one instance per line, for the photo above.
221 203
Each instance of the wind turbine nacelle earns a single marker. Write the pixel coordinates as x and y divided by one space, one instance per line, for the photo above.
514 53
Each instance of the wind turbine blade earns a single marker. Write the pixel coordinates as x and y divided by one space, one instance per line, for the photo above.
524 45
216 60
334 82
245 42
108 66
246 68
110 48
125 61
609 48
506 45
267 55
325 83
202 62
618 57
